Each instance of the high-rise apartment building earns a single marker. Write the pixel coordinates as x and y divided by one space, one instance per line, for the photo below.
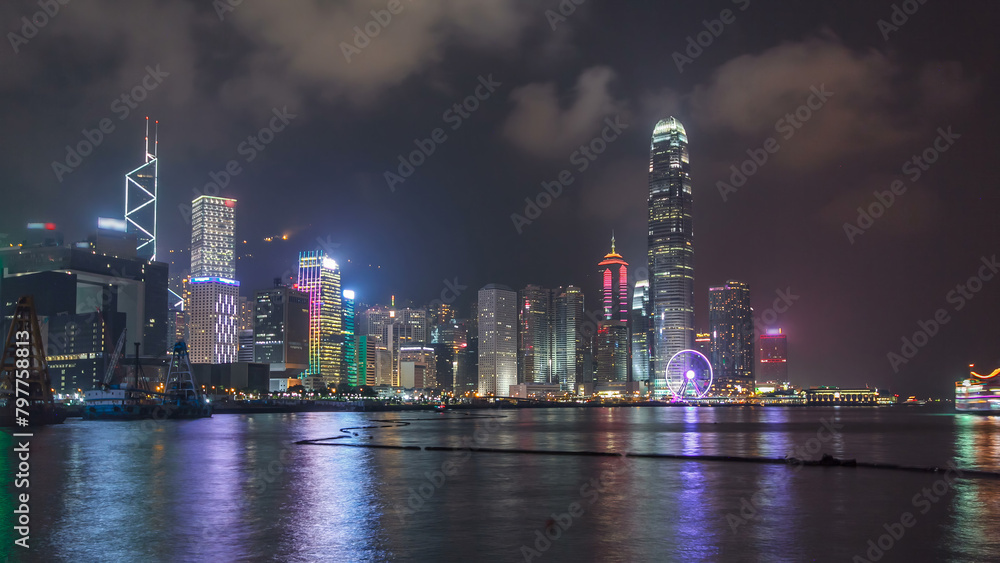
319 276
671 248
497 340
731 326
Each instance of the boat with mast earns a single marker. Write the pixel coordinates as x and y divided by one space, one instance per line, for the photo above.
123 395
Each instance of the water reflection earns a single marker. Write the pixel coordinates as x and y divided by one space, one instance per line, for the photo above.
239 488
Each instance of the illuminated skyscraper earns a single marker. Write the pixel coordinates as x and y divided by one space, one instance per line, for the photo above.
213 317
641 331
350 367
405 327
281 330
535 335
497 340
773 356
213 309
319 276
569 344
611 352
614 273
213 228
611 345
140 199
731 326
671 247
703 343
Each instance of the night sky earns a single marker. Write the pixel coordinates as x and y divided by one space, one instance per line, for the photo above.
219 80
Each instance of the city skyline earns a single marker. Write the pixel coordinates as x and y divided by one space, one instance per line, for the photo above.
782 230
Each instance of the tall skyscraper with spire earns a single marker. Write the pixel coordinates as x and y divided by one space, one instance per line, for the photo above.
671 248
614 275
140 198
611 345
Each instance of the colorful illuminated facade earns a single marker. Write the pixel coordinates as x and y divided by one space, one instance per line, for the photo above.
140 200
611 349
614 275
670 247
319 276
731 326
213 320
773 356
350 367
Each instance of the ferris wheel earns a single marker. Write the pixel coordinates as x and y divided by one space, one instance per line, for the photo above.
689 374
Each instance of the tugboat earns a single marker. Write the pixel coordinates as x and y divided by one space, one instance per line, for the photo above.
129 399
182 398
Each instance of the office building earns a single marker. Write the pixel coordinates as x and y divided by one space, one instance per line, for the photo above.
773 356
642 327
703 343
213 229
349 368
319 276
614 275
569 342
671 248
535 335
213 318
213 293
731 326
497 340
244 339
467 368
85 299
612 342
611 352
417 367
141 187
281 331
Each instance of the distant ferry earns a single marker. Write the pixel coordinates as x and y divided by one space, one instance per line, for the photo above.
979 393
